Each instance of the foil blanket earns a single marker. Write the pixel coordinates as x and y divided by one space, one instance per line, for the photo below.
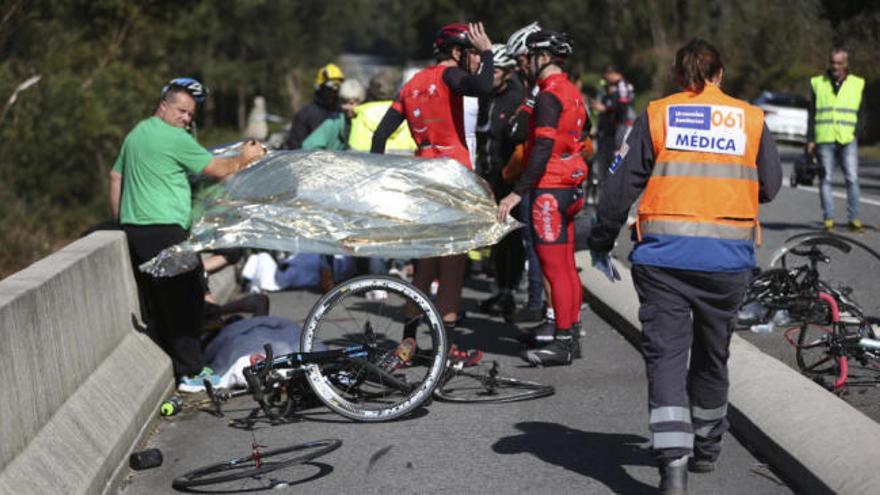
341 203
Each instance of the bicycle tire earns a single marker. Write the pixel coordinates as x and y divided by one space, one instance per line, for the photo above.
245 467
363 389
468 387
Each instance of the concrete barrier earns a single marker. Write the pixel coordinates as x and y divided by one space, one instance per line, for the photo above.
78 383
818 442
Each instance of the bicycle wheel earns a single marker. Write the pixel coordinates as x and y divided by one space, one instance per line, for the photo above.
249 467
377 312
482 385
813 351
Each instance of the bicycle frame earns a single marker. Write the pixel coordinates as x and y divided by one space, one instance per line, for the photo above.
842 345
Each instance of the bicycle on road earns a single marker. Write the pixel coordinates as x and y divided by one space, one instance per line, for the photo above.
832 331
355 359
354 355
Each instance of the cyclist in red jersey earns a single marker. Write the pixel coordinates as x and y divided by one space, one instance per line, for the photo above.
552 177
431 103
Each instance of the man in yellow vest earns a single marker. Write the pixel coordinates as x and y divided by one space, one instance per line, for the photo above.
381 93
834 116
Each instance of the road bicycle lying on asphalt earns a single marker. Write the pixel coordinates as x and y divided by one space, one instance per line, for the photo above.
355 355
825 352
832 330
356 359
255 471
484 384
794 289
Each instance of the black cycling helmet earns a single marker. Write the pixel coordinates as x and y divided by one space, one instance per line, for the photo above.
190 85
556 43
451 35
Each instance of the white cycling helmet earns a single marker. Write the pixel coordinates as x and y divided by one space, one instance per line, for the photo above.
516 44
500 58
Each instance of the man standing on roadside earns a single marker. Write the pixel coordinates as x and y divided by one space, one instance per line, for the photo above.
834 116
150 196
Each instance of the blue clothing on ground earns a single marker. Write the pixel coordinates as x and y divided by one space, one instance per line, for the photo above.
248 336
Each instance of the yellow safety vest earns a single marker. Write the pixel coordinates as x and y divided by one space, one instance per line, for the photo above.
837 114
366 119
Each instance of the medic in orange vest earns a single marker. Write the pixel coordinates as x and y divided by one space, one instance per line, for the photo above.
703 162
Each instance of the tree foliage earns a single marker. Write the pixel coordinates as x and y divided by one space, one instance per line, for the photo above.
99 66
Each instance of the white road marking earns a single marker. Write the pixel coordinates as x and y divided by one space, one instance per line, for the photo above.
837 194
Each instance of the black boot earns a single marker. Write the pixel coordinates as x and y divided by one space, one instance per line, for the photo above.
538 334
556 353
674 476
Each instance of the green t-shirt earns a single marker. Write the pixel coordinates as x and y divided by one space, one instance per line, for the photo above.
154 162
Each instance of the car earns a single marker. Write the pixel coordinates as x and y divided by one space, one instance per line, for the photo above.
785 115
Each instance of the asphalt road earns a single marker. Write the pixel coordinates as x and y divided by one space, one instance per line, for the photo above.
590 437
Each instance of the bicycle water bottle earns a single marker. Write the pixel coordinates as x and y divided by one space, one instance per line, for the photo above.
762 328
171 406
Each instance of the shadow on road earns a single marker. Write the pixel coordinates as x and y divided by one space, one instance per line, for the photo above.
601 456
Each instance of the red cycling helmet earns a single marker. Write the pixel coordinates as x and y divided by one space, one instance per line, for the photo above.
451 35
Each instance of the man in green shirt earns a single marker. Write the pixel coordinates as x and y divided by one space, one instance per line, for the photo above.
150 196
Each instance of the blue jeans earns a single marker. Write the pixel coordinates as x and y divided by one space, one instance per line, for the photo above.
847 156
535 275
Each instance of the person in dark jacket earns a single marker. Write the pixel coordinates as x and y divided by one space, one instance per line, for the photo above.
325 105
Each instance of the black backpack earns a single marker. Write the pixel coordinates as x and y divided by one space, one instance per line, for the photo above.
806 168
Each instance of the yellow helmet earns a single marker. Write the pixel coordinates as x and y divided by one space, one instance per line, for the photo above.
330 75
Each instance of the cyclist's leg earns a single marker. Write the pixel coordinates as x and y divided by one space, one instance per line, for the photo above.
553 227
451 280
426 271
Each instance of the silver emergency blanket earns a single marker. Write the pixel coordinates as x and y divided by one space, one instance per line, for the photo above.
342 203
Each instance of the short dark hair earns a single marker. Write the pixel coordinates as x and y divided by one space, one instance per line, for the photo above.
696 63
173 90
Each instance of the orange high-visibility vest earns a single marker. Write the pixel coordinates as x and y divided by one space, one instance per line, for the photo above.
705 177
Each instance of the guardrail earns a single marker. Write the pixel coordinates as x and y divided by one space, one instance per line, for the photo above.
78 383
